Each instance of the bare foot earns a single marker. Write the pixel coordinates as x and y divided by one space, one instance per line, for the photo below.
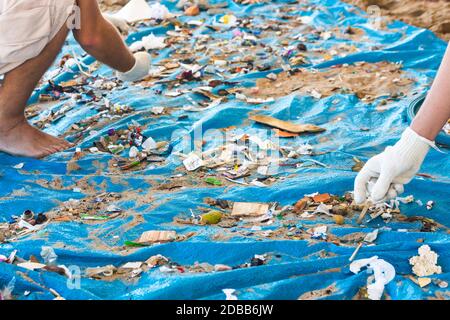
24 140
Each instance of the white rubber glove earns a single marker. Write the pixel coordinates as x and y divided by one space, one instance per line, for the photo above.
119 23
140 70
384 175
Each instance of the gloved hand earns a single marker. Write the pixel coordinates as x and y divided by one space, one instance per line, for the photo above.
140 69
119 23
384 175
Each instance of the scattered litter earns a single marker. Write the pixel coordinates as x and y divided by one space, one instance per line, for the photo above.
206 58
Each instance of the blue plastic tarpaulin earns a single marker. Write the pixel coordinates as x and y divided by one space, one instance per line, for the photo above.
296 267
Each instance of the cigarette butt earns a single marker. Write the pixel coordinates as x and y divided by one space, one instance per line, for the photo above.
355 252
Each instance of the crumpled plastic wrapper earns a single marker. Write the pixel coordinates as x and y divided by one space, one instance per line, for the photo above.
425 264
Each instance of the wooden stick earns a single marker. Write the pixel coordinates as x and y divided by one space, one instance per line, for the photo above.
363 212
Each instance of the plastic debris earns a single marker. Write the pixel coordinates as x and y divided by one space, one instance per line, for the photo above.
212 217
19 166
150 237
320 232
31 265
150 42
207 65
137 10
286 126
248 209
49 255
383 271
99 272
229 294
192 162
425 264
7 292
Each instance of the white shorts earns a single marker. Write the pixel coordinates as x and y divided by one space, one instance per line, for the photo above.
26 27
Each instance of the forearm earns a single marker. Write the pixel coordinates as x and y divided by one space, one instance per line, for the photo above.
435 111
101 39
111 49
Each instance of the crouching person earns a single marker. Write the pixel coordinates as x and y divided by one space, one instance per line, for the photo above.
32 34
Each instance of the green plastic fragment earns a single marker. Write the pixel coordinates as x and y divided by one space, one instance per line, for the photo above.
133 244
88 217
213 181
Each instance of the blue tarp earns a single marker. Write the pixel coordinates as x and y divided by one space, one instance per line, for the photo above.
296 266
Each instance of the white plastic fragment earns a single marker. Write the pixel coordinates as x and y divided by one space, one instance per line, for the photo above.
305 149
19 166
371 236
166 269
149 144
133 153
383 271
430 205
229 294
132 265
407 199
192 162
323 208
320 232
113 208
149 42
6 292
25 225
137 10
315 94
425 264
311 195
228 19
49 255
157 110
31 265
258 183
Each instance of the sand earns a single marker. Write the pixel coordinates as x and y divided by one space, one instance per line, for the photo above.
431 14
368 81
